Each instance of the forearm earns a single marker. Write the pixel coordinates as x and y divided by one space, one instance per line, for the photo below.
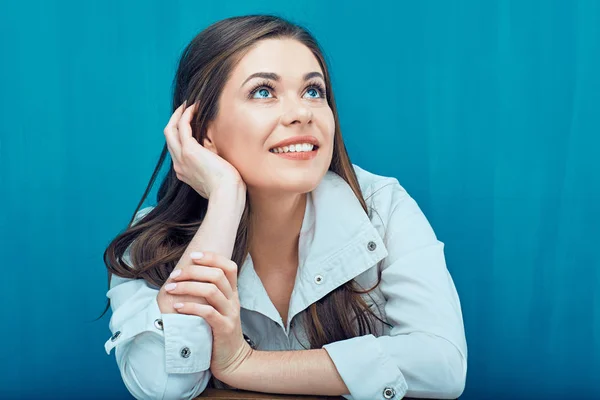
218 230
305 372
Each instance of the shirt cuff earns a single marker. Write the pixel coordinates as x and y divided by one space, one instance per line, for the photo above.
368 371
148 319
188 343
187 338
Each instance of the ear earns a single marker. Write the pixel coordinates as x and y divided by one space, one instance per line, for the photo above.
208 141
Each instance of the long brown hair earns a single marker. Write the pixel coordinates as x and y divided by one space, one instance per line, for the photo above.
159 239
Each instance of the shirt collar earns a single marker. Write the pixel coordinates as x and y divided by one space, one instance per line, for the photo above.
337 242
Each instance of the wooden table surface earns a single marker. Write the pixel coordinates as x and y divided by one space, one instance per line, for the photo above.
221 394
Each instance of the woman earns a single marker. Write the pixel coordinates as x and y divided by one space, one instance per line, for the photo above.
299 248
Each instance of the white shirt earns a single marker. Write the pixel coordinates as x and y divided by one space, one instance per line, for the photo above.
167 356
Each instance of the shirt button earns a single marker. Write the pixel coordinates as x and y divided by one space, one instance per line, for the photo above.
318 279
158 324
115 336
185 352
389 393
371 246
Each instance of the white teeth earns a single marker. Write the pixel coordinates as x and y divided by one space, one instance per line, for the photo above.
294 148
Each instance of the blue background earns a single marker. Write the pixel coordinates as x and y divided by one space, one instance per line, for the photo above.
486 111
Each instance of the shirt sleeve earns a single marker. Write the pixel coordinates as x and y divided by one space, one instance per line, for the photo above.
160 356
425 353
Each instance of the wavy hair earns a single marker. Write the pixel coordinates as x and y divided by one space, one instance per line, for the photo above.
158 240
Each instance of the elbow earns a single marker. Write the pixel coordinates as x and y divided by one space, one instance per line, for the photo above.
138 385
164 387
455 371
455 388
442 368
174 387
144 372
140 381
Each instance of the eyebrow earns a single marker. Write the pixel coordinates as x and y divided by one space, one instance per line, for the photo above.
274 77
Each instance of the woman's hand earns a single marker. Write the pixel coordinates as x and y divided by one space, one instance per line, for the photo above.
195 165
166 300
214 277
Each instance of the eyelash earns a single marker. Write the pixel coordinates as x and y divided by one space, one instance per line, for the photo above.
267 84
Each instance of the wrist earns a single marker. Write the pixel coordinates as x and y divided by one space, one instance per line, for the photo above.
241 370
231 196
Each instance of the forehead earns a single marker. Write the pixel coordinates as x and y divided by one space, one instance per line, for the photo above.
286 57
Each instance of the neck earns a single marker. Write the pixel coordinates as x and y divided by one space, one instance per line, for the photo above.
275 223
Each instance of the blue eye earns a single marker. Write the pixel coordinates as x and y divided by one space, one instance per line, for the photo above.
316 90
264 90
313 93
262 94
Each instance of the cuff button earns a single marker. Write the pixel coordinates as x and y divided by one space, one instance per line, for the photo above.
389 393
185 352
158 324
115 336
372 246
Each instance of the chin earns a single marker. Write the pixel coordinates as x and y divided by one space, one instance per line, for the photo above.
304 185
292 180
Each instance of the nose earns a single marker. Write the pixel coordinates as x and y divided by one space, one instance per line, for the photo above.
297 113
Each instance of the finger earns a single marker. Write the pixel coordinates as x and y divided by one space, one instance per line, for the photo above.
202 273
171 134
174 152
210 292
212 316
212 259
176 115
184 124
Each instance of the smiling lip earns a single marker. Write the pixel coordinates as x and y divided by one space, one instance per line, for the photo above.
297 140
301 155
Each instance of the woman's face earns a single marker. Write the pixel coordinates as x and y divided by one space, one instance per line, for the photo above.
253 117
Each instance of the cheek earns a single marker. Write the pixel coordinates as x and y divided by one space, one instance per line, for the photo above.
231 134
327 123
331 125
328 131
241 137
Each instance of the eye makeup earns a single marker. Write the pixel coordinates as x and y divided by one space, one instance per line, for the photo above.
266 84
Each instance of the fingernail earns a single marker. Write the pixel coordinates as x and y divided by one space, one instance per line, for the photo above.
197 254
175 273
184 103
177 305
170 286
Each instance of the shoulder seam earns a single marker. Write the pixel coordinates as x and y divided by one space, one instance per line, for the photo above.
393 182
384 186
